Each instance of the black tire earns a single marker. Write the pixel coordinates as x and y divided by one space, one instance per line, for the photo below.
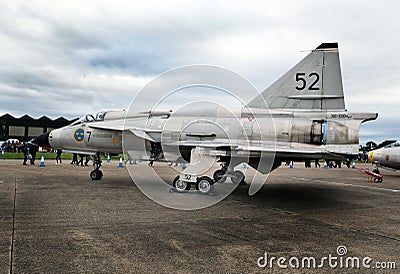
99 174
238 177
218 176
205 185
93 175
96 174
180 186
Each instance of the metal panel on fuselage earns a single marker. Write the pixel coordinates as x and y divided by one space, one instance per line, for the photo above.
387 157
83 138
107 140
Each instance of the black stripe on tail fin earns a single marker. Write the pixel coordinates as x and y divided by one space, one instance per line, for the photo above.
328 46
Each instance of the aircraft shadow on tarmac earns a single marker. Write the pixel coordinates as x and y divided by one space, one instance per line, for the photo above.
295 197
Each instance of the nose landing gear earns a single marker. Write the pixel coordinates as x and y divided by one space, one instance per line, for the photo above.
96 173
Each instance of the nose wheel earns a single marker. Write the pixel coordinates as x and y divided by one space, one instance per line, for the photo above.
96 173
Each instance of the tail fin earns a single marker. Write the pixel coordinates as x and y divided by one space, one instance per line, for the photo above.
315 83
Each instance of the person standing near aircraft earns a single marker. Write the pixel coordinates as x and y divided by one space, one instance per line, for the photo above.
58 156
33 150
24 150
74 159
81 160
87 157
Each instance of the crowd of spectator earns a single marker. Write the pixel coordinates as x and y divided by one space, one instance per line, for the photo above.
11 146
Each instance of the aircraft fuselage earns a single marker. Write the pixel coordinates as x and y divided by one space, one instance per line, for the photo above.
293 135
386 157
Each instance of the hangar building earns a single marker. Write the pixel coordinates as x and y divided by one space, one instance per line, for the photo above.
25 127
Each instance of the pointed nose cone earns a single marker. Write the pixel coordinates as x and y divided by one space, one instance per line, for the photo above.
42 140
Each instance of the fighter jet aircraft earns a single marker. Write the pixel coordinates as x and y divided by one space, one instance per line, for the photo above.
306 105
388 156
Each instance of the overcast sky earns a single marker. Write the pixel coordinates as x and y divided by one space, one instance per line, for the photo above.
68 58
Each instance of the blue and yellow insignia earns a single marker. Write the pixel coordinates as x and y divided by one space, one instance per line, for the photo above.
79 135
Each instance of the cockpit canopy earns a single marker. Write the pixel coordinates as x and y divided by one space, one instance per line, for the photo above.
88 118
100 115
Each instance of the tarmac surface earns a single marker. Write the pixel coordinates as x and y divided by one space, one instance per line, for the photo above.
55 219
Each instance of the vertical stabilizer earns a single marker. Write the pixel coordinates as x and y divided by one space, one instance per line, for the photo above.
315 83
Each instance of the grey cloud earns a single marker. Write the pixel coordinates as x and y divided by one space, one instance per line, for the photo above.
379 130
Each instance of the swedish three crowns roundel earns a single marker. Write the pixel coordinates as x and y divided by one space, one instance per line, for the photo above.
79 135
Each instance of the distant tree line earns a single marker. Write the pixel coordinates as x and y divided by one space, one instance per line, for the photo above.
371 145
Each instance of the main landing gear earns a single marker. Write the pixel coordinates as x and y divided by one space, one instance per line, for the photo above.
204 184
220 175
96 173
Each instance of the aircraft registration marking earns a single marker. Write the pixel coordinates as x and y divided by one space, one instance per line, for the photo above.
341 116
